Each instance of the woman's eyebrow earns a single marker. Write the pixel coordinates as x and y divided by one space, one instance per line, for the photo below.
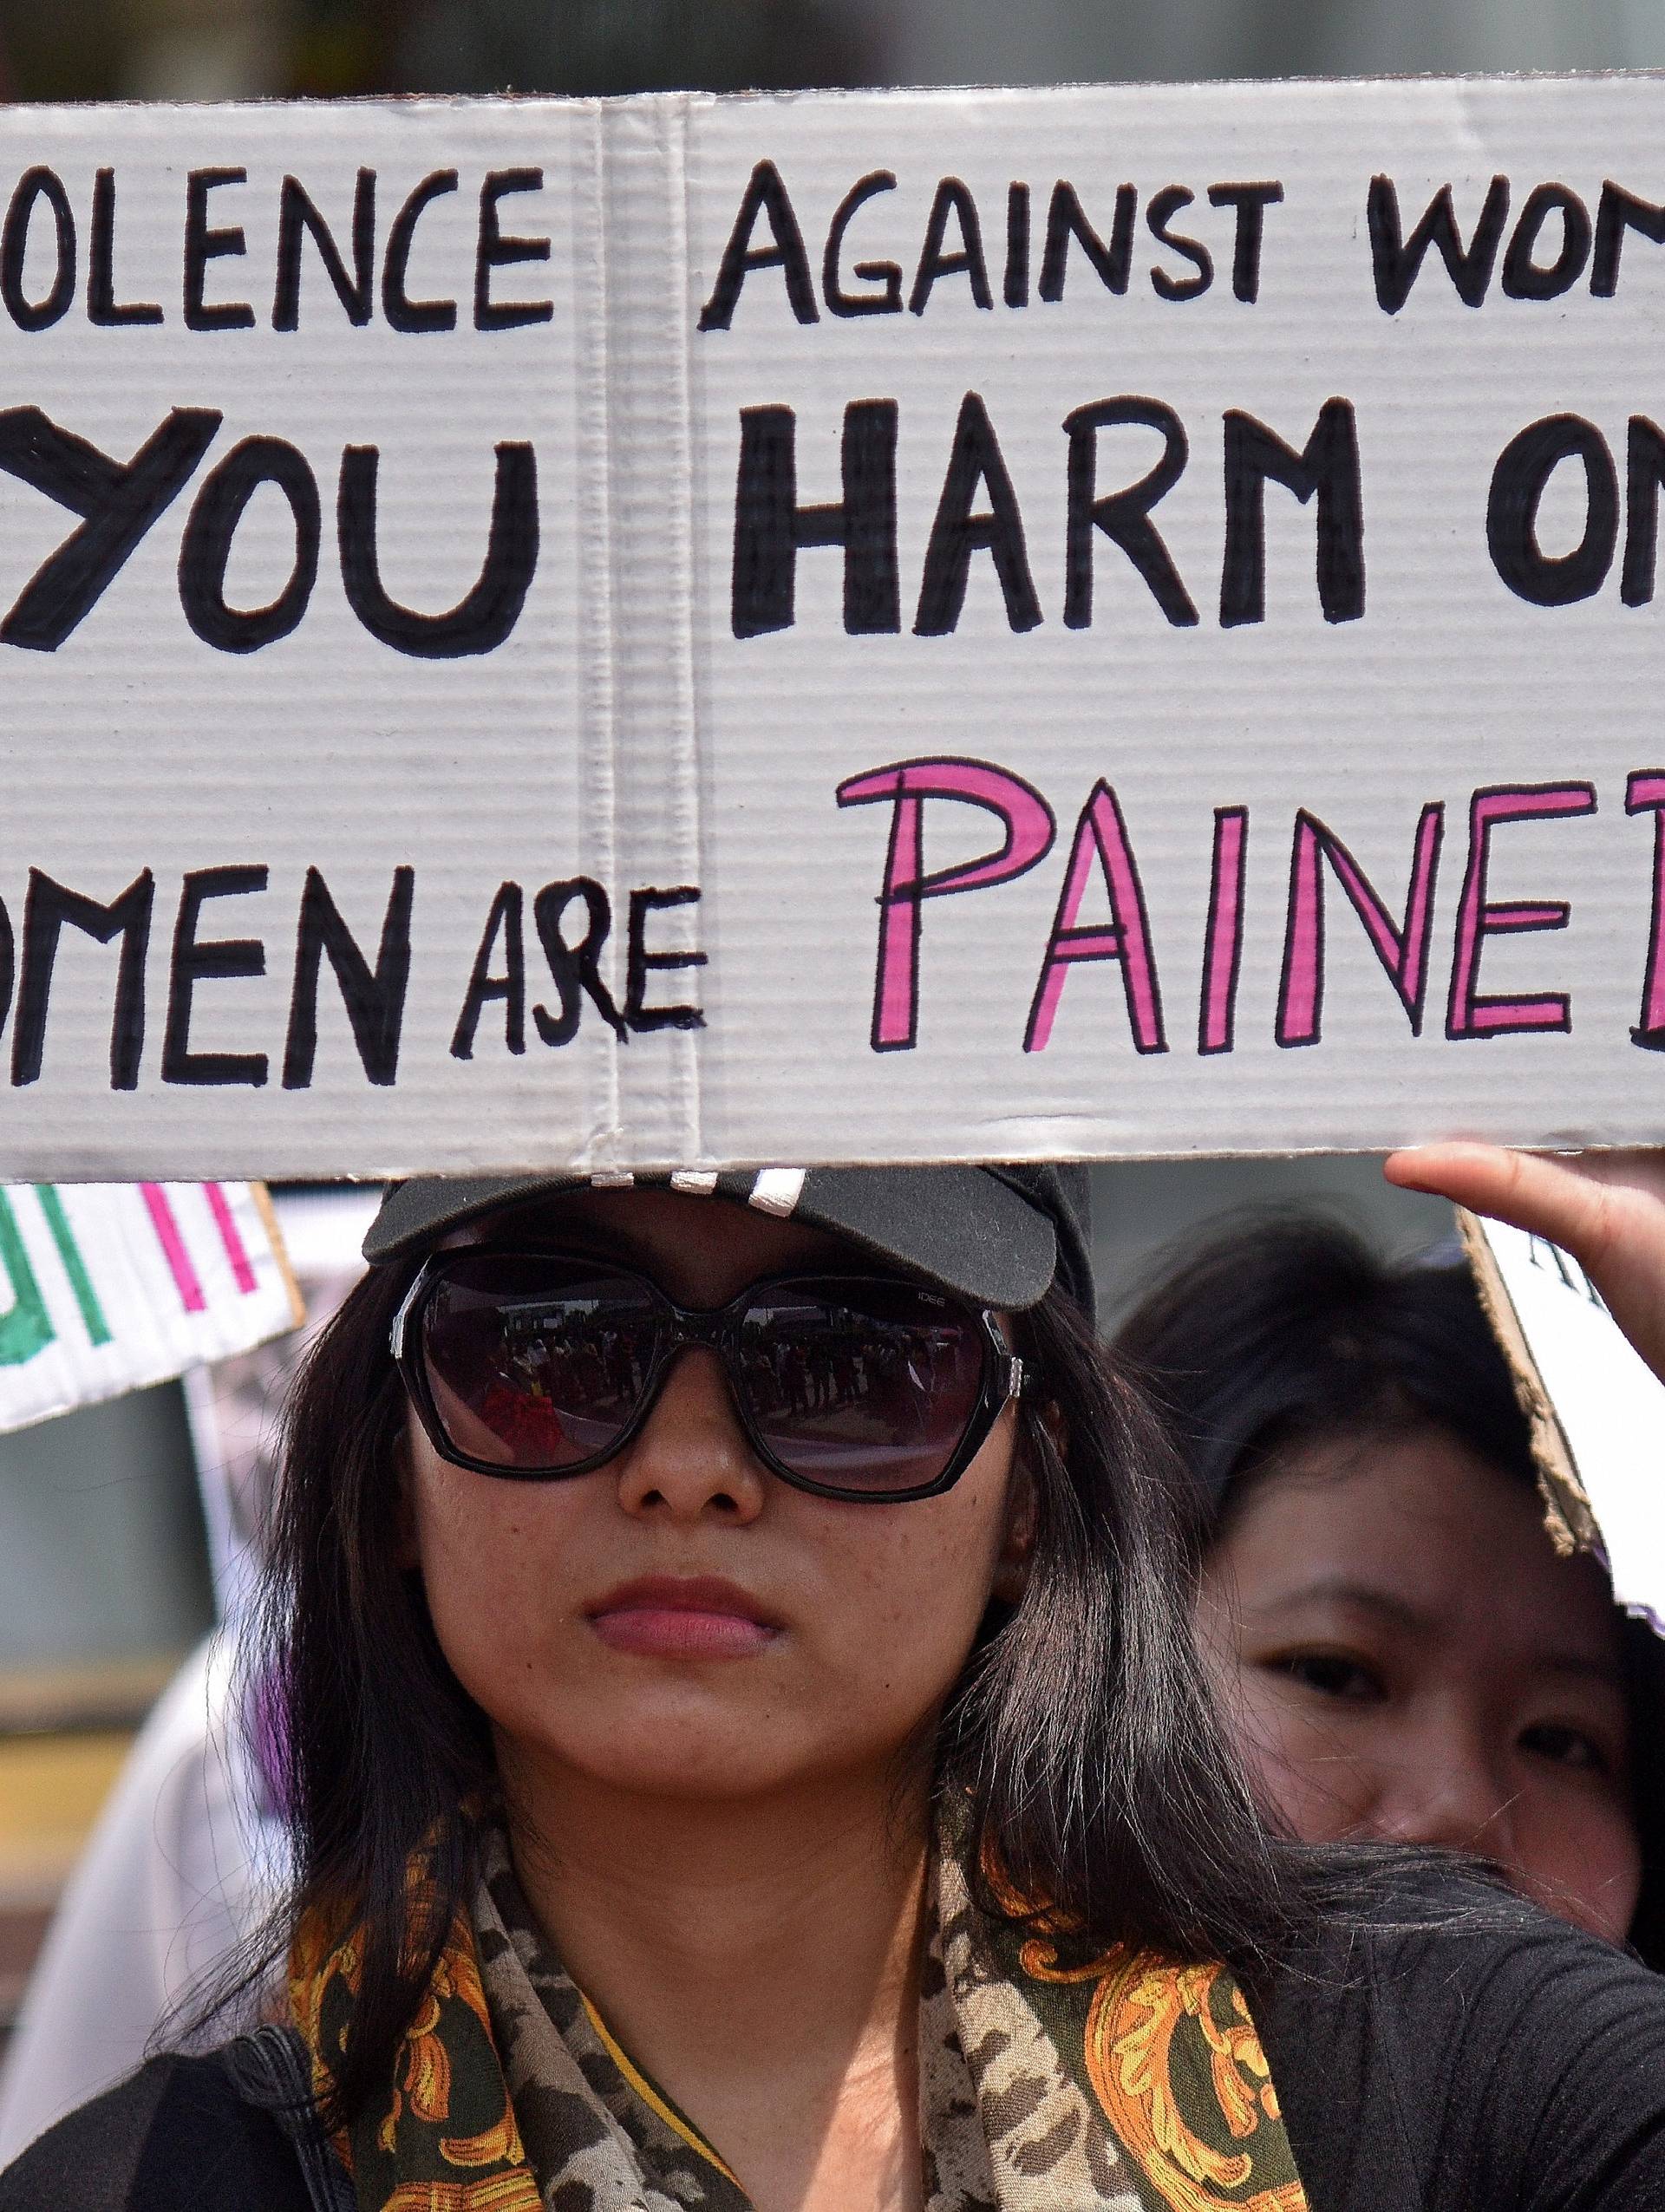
1340 1589
1398 1613
1584 1666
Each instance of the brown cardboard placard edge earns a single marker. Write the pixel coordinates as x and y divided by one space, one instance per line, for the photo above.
1568 1514
268 1214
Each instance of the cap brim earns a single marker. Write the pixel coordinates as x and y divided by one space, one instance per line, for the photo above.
962 1227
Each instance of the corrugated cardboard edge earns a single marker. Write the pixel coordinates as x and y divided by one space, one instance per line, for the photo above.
1567 1511
268 1214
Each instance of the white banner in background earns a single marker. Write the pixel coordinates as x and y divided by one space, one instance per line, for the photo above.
1600 1407
108 1287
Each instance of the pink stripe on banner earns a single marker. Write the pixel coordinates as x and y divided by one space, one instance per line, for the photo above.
172 1244
220 1206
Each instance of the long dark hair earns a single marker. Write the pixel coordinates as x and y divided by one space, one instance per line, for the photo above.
1285 1327
1081 1736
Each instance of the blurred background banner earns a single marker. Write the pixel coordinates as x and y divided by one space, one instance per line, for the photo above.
152 1853
114 1285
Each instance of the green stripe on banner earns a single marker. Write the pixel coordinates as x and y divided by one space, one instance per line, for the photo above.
75 1267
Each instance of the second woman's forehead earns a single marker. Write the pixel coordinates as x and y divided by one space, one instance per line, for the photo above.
701 1251
1452 1547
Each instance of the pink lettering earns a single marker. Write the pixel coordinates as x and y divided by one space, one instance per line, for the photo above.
1402 949
1223 939
167 1235
1468 1014
1028 830
1101 843
165 1222
1645 794
220 1206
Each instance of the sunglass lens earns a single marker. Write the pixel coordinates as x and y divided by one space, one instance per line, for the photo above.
866 1388
536 1365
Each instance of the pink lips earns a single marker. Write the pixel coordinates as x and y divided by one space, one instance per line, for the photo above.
669 1616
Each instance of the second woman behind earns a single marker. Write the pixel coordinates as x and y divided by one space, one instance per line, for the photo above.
1403 1653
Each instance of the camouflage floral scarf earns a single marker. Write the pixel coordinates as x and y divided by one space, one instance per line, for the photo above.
1047 2085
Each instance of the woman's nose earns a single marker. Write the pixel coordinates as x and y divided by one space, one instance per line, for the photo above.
691 1460
1449 1791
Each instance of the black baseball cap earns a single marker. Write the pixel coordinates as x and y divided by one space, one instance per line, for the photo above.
1000 1235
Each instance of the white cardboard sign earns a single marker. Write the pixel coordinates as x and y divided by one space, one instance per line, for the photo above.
688 632
1598 1408
108 1287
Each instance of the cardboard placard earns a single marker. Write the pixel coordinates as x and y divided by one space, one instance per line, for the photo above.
1596 1409
112 1286
1124 620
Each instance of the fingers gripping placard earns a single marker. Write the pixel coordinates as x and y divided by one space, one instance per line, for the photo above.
515 614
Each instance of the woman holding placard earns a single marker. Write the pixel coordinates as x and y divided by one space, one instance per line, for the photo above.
1400 1650
749 1751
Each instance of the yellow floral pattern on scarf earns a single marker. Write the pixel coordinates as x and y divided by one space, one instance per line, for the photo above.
1114 2079
447 2139
1176 2066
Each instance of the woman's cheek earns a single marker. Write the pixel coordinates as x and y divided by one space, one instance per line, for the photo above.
1326 1795
914 1608
1308 1774
491 1571
917 1584
1577 1853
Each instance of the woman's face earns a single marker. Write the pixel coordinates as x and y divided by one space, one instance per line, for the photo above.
835 1630
1407 1658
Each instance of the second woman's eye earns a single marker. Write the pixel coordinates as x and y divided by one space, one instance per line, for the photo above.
1567 1746
1332 1674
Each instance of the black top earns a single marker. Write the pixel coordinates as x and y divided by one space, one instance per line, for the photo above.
1508 2064
176 2136
1497 2062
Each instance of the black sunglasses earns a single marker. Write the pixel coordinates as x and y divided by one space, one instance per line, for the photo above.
541 1365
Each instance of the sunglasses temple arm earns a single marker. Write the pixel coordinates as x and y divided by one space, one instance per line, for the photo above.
402 1318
